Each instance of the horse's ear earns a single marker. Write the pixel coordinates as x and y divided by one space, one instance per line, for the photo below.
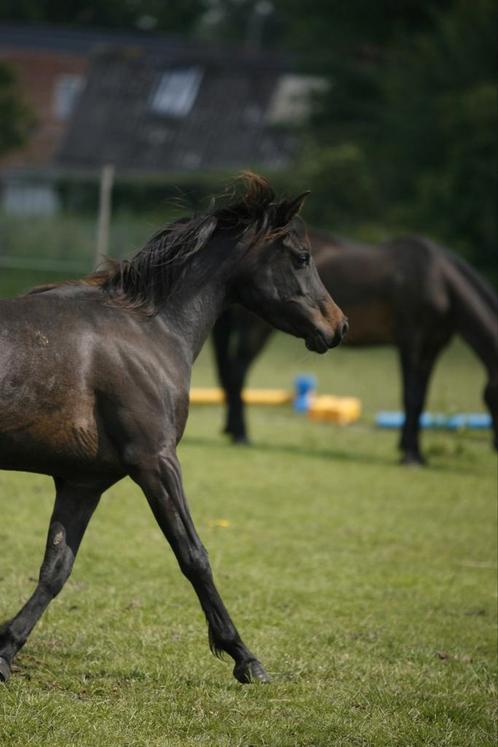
296 204
289 208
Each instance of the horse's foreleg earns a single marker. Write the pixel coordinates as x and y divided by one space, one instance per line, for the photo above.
74 506
164 491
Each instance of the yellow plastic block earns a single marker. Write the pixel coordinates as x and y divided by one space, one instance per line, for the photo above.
205 396
267 396
341 410
216 396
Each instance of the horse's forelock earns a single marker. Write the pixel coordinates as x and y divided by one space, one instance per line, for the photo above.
260 203
258 195
252 208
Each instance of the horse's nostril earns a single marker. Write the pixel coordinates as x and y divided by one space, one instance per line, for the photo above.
344 328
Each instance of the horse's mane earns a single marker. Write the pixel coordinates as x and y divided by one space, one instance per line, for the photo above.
249 209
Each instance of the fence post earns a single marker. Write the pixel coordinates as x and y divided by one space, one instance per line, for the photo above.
104 216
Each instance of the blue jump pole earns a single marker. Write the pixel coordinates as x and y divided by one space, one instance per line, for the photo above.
473 420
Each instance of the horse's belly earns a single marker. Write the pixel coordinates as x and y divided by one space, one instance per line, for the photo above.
47 413
52 442
370 324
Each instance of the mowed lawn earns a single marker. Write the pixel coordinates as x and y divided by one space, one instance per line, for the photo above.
368 590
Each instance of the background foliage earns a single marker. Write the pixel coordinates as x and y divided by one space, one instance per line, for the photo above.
405 136
15 116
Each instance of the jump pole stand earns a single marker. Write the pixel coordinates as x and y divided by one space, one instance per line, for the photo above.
104 215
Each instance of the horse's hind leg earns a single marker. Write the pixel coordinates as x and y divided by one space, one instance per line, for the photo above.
74 506
162 485
417 364
491 400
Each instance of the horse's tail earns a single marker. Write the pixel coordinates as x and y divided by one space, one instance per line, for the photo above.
474 308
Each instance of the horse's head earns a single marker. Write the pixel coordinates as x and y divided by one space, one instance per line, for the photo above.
278 280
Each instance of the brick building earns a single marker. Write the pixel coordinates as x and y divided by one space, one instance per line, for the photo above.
149 104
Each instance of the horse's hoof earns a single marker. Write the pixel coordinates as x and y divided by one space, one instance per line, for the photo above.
240 440
4 670
412 460
250 671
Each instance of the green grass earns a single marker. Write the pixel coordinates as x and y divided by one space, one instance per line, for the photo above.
367 590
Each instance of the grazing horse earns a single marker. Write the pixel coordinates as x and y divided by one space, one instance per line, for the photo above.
409 293
95 374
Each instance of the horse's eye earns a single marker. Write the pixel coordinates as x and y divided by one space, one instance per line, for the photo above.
302 260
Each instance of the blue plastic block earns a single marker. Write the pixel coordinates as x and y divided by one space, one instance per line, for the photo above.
305 386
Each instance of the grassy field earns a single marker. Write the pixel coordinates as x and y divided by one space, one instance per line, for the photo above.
368 590
43 249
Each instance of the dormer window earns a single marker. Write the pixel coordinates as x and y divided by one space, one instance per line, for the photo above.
293 97
66 92
176 91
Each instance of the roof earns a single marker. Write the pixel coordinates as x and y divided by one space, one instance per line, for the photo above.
75 40
223 125
214 111
85 41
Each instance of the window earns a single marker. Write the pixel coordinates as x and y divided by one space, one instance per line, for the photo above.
25 198
67 90
176 91
292 99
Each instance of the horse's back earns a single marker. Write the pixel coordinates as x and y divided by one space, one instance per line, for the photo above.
383 288
362 286
39 332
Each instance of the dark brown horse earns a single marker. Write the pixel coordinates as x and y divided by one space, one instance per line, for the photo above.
95 374
409 293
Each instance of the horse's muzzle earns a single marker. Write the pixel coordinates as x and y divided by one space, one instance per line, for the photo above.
319 342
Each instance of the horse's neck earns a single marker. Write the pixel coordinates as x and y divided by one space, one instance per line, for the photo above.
190 315
199 300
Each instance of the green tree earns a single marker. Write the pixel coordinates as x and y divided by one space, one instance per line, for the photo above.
439 129
15 117
173 16
406 133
